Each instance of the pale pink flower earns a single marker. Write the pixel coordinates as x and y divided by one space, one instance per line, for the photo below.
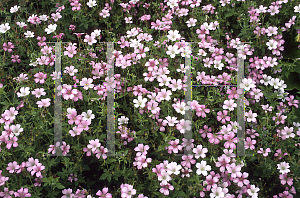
12 167
71 50
90 39
202 168
200 151
40 77
23 92
87 83
44 103
171 121
229 104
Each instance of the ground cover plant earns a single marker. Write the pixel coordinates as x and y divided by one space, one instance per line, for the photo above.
149 80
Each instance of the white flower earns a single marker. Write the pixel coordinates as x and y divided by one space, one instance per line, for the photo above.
253 191
29 34
140 102
173 35
218 64
275 82
172 50
203 168
43 17
91 3
4 28
297 9
128 19
186 51
171 120
24 92
172 3
217 193
88 116
173 168
86 83
14 9
51 28
272 44
22 24
296 124
123 120
164 177
134 43
16 129
247 83
96 33
191 22
283 167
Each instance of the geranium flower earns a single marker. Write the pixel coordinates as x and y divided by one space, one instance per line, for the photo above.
173 35
23 92
29 34
4 27
173 50
123 120
140 102
51 28
203 168
91 3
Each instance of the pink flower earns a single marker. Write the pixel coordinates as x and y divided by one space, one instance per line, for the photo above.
285 179
90 39
214 138
44 103
249 143
142 149
292 101
222 116
251 116
6 193
68 92
67 193
65 148
37 169
164 94
184 125
229 104
273 10
8 47
38 92
127 191
234 170
87 83
200 151
22 193
230 140
104 193
241 180
165 188
94 144
265 153
40 77
15 58
104 13
223 162
12 167
188 160
44 60
174 146
71 50
76 131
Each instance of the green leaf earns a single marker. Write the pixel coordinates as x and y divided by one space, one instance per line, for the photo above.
59 186
86 25
292 81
